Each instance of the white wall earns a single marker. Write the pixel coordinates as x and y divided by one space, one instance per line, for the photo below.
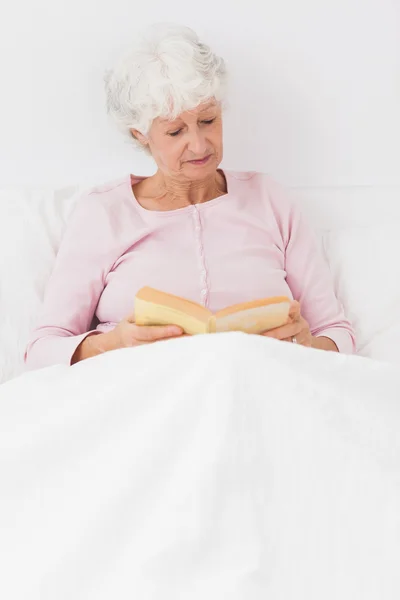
315 96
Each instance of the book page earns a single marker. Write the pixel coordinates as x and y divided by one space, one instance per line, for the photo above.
147 313
255 320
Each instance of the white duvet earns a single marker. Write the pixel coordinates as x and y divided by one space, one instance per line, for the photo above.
224 467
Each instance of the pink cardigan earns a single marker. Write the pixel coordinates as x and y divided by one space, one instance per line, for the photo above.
250 243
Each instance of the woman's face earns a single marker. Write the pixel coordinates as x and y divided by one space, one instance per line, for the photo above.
194 135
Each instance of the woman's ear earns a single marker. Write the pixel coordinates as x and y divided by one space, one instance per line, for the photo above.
140 137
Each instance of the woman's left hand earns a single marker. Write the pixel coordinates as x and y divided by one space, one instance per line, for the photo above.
296 327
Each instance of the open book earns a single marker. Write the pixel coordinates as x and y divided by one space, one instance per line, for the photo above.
153 307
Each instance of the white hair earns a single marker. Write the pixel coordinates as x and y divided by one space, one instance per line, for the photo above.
167 71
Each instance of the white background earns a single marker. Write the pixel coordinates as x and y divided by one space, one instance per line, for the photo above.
315 92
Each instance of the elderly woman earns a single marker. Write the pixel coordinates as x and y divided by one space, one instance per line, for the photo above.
214 466
192 229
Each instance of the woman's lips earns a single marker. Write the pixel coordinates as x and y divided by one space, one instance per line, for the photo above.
202 161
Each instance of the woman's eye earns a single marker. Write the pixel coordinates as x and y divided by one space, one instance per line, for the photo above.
177 132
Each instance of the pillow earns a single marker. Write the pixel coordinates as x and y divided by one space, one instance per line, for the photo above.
365 265
31 225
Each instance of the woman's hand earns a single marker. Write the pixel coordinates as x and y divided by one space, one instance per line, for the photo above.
296 326
125 335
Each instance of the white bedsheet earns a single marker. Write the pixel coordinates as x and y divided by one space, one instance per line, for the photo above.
225 467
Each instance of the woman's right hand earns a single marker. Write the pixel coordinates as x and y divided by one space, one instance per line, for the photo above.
125 335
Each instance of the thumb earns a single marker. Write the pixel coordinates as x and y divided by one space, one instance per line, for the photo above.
294 311
149 333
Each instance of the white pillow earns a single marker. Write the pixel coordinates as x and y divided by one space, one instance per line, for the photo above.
365 265
31 225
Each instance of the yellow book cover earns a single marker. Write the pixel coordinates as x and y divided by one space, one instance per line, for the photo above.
154 307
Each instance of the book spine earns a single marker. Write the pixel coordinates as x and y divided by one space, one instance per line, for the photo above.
212 324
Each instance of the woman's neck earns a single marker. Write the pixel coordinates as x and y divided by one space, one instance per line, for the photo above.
183 192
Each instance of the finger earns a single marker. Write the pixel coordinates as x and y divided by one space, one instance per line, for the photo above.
167 338
149 333
285 331
301 340
290 339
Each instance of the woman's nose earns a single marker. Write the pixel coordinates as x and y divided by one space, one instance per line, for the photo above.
197 144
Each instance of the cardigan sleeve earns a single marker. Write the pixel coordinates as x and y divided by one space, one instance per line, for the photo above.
74 287
308 274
